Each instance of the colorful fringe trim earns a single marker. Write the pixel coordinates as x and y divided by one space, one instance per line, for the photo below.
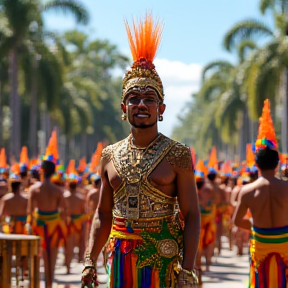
134 260
16 225
268 257
50 227
77 223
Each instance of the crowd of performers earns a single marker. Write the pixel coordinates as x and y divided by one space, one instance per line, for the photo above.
42 197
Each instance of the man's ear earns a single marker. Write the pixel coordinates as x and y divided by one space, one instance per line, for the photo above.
162 108
123 107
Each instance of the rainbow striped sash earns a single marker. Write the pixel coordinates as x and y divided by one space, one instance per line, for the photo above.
268 257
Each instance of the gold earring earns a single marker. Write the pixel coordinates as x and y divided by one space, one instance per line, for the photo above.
160 118
124 117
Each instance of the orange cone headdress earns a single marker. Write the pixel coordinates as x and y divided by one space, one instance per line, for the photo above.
51 153
3 159
213 162
96 157
24 160
15 173
82 165
266 133
144 40
250 158
71 173
201 171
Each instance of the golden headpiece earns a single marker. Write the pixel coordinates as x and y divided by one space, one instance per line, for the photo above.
144 42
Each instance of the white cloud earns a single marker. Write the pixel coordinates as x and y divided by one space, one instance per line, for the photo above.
180 80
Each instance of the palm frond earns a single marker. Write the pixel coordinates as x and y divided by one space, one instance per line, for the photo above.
69 6
248 29
265 5
216 66
244 47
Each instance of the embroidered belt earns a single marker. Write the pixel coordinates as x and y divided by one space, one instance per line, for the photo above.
142 222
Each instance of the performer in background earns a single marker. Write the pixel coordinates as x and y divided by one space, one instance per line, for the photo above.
267 199
76 219
144 177
47 202
208 227
13 206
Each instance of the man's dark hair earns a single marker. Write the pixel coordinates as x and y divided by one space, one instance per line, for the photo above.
15 186
254 175
200 184
48 168
97 181
211 176
267 159
73 185
35 174
24 174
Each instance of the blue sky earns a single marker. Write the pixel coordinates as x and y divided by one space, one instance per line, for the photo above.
192 37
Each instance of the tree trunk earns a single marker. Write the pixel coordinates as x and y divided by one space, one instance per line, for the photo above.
83 151
1 115
284 133
33 111
14 104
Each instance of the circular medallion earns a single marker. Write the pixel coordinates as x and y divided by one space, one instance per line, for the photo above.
167 248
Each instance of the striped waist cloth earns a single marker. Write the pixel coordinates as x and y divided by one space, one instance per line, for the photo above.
270 235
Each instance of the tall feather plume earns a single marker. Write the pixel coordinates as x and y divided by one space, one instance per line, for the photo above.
145 38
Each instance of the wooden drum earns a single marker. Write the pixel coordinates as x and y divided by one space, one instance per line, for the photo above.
19 254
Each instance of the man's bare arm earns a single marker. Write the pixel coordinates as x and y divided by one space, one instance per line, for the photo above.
31 203
240 212
189 206
101 231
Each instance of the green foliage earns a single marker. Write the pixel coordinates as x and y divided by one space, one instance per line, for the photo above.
71 75
228 92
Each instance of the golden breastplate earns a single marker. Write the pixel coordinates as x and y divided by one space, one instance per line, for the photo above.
137 199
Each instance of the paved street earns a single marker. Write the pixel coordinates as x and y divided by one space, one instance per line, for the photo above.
227 271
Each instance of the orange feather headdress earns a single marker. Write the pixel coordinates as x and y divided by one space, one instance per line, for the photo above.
144 40
3 159
266 133
51 153
200 171
250 158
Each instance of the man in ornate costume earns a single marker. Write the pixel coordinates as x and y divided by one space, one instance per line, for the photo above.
147 179
267 199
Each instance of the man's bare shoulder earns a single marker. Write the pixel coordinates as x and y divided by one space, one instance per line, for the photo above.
249 190
91 193
35 187
7 197
107 152
80 196
207 189
179 156
67 194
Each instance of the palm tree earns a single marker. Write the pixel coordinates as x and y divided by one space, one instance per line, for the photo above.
266 68
21 15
